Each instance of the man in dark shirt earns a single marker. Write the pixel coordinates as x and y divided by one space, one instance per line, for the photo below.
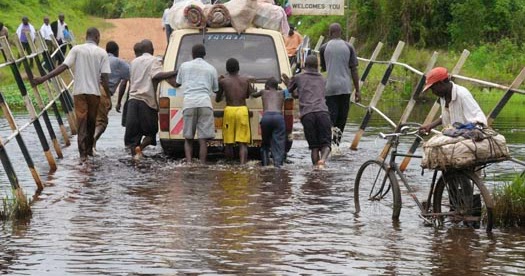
273 128
339 60
309 87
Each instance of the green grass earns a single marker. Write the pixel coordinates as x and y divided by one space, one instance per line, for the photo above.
509 201
15 207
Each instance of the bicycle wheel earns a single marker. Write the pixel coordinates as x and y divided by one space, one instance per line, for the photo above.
371 191
461 198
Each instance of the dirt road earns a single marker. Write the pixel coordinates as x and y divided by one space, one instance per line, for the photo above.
128 31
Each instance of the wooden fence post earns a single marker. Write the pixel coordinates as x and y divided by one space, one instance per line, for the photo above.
38 98
506 97
42 72
8 56
377 94
412 102
367 70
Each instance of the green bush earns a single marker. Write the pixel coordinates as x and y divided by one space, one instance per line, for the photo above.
509 203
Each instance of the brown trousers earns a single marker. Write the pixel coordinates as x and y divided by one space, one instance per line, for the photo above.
86 107
104 107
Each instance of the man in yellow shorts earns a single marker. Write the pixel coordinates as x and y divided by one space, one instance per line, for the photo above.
236 121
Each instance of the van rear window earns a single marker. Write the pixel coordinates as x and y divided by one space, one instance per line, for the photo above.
256 53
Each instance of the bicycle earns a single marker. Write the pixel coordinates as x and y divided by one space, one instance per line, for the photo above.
457 196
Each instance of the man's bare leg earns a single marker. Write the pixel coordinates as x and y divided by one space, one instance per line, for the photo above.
243 153
203 150
188 149
315 156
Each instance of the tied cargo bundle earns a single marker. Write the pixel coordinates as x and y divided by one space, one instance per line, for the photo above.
444 153
187 15
218 16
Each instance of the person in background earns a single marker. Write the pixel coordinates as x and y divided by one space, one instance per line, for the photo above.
137 48
142 122
23 28
165 23
47 35
3 30
309 86
200 80
118 78
273 128
457 103
92 63
236 120
339 60
58 28
292 42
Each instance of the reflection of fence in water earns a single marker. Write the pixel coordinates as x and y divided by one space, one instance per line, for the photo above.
371 107
56 89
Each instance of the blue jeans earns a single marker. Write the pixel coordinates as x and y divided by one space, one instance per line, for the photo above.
273 132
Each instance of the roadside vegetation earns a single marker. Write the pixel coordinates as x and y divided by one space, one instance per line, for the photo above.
509 199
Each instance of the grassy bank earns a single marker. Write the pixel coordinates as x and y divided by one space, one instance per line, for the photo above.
509 199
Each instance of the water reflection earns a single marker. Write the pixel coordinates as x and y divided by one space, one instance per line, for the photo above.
159 217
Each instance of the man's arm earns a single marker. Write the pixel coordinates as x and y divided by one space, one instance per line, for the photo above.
121 90
57 71
104 78
257 94
355 80
168 76
428 127
291 85
220 92
321 54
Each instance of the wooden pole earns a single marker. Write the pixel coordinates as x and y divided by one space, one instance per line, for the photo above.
368 68
42 72
38 99
377 95
61 89
411 102
29 161
8 56
506 97
433 111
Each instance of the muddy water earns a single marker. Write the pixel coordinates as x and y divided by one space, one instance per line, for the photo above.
159 217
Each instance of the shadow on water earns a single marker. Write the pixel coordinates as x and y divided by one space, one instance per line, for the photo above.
161 217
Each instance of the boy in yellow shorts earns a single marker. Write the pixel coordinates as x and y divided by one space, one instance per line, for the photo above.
236 121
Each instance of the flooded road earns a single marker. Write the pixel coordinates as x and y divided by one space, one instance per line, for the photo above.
159 217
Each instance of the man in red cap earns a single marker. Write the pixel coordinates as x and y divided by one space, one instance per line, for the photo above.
457 104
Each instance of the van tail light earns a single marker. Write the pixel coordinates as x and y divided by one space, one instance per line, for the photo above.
164 114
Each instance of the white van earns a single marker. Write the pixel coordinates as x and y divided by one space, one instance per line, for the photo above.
261 54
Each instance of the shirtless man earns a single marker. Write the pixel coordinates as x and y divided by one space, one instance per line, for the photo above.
273 128
236 120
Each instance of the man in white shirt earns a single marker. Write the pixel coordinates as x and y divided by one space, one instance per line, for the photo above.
91 67
457 104
47 34
165 23
200 80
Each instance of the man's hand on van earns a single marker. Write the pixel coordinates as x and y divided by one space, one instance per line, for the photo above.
285 79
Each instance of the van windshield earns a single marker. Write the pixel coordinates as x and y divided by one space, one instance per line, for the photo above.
256 54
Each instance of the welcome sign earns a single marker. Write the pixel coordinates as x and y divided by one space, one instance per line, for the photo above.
318 7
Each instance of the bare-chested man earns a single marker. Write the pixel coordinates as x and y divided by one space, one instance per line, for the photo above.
273 129
236 120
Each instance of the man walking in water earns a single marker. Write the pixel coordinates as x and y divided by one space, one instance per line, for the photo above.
236 120
339 60
91 67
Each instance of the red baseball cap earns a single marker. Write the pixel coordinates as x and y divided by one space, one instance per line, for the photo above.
435 75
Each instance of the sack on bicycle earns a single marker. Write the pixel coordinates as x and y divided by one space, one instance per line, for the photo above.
464 146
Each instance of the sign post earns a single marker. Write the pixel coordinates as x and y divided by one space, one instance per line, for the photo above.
318 7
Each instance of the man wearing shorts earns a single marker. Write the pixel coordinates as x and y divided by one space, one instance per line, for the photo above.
273 128
142 114
200 80
236 120
309 87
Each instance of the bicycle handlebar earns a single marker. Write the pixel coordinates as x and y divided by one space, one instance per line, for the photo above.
404 130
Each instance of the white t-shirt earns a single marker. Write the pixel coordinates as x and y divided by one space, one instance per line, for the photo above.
142 71
89 62
461 109
198 79
60 30
46 32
